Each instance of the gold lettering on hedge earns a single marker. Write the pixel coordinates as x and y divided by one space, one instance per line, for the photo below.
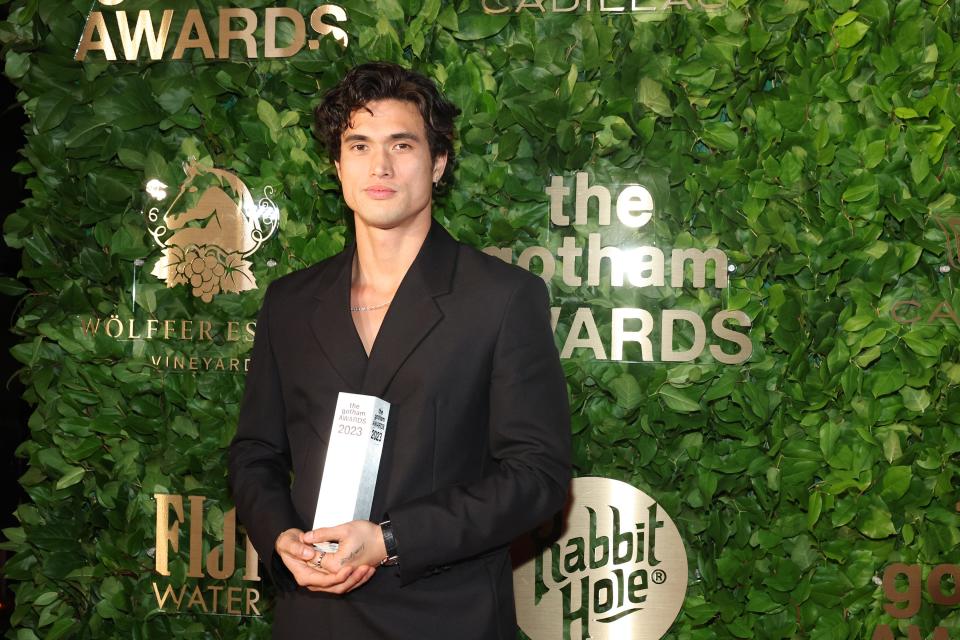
194 23
721 331
168 535
228 35
169 329
944 310
604 7
196 537
271 50
487 9
911 597
220 562
96 26
251 569
528 4
195 33
207 599
573 7
155 41
494 7
323 29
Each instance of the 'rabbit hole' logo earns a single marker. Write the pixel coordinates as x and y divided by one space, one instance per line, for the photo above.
614 567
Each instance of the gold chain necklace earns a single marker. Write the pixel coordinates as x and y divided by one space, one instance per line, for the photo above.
370 308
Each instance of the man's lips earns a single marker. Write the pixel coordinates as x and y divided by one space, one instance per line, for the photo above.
379 192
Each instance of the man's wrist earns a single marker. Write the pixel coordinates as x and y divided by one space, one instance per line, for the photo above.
390 544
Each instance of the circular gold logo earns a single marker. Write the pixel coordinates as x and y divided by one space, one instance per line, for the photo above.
612 566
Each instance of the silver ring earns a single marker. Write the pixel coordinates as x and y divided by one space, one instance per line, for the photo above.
319 561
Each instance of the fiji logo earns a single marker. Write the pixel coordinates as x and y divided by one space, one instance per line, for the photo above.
207 234
951 230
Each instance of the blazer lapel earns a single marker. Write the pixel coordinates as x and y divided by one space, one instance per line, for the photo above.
414 312
333 327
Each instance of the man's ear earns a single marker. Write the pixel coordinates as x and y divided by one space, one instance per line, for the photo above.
336 164
439 165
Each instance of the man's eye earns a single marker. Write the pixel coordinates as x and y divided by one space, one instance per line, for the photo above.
359 147
402 146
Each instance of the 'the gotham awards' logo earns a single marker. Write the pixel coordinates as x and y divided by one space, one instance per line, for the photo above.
207 234
615 568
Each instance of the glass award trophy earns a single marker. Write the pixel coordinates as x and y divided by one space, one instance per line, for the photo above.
352 462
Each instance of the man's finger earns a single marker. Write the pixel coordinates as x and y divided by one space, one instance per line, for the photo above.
326 534
329 582
350 583
365 578
322 581
291 546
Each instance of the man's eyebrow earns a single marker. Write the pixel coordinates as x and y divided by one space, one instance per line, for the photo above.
404 135
400 135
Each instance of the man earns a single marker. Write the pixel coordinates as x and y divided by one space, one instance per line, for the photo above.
477 446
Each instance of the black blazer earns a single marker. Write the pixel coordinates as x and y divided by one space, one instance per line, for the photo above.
476 451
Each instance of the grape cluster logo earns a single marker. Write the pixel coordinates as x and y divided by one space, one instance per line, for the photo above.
208 235
613 566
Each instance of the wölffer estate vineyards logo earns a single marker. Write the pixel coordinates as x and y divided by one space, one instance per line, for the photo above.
614 567
207 233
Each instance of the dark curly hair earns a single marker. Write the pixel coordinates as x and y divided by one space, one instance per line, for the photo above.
383 81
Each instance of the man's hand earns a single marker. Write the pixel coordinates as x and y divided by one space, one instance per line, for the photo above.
361 544
317 571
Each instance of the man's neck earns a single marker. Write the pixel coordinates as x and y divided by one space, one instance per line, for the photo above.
385 255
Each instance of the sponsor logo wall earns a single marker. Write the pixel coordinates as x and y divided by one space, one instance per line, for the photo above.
744 213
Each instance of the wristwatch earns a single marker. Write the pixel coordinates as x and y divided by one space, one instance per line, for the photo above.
390 542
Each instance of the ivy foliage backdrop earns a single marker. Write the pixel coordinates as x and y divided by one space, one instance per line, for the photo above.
811 140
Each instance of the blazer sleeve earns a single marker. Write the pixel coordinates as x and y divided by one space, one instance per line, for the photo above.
259 459
529 438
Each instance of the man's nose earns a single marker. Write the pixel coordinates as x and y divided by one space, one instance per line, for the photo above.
380 164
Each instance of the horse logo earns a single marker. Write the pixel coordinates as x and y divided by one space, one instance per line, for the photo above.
207 234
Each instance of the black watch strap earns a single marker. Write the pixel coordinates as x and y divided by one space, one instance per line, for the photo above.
390 543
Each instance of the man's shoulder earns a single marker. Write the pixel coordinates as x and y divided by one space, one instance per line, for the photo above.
479 268
307 280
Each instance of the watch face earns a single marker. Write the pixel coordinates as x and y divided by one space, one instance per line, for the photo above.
390 561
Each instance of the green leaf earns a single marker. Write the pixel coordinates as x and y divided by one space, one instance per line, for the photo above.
814 508
11 287
652 96
858 322
829 433
915 399
477 26
17 64
52 109
860 188
922 345
760 602
720 135
268 115
876 521
896 482
849 35
678 399
626 391
71 476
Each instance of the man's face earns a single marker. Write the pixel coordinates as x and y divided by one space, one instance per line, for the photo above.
385 168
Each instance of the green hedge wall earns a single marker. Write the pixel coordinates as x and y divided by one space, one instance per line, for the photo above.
812 141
